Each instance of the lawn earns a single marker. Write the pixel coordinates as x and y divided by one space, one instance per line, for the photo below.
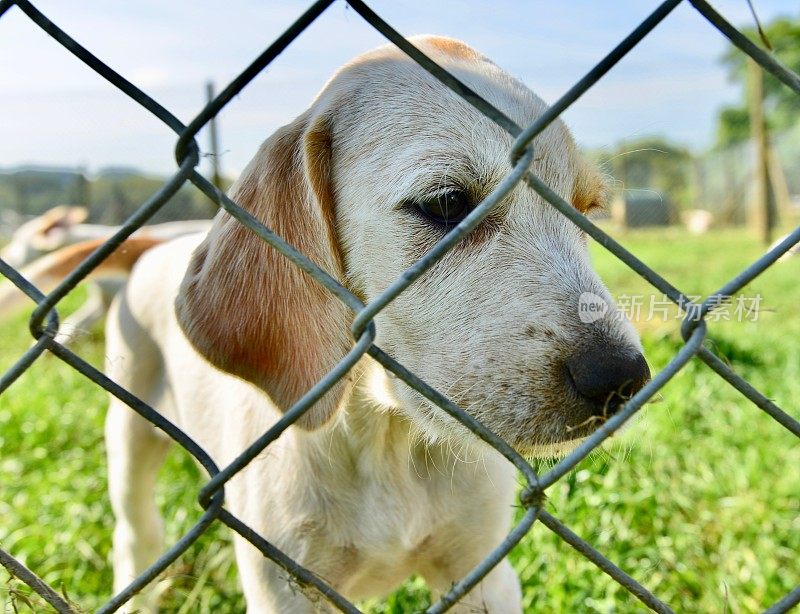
699 500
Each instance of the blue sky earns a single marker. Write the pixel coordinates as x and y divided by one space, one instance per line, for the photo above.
54 110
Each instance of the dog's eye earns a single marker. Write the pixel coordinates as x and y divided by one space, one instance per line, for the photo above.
447 208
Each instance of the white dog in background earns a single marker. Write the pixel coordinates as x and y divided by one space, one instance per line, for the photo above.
49 246
222 334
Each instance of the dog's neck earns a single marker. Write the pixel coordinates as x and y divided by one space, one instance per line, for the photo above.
380 441
375 456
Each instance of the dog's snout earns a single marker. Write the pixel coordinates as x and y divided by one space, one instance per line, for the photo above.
608 377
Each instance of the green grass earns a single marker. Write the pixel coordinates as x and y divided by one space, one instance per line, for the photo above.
698 500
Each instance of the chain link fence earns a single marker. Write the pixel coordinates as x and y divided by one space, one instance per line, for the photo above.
726 179
44 321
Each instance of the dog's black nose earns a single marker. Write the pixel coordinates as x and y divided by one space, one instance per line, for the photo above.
608 377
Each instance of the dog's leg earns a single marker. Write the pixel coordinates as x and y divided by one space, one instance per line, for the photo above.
498 593
268 589
135 453
81 321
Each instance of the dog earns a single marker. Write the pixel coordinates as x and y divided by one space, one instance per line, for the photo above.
47 271
52 244
374 483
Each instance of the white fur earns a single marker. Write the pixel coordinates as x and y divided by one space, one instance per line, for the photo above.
389 486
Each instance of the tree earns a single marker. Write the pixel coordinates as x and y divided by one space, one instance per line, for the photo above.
651 164
781 104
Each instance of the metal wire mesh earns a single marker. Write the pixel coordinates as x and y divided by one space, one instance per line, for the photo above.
44 321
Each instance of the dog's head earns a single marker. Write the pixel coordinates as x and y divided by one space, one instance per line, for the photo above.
380 168
42 234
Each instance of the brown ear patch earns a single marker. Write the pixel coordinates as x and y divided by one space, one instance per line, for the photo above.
250 311
452 47
589 190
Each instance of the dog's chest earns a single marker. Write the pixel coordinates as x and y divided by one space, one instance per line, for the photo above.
390 533
389 547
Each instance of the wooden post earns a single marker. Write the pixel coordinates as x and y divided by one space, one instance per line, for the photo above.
779 185
763 213
82 194
216 175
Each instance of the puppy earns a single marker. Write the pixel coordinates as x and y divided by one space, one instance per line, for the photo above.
52 244
222 334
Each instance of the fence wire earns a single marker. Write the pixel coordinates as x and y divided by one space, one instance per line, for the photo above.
44 320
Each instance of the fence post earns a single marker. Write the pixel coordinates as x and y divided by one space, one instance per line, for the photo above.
213 144
763 213
216 175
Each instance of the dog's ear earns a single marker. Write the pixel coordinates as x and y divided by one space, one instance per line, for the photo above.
51 228
248 309
589 189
